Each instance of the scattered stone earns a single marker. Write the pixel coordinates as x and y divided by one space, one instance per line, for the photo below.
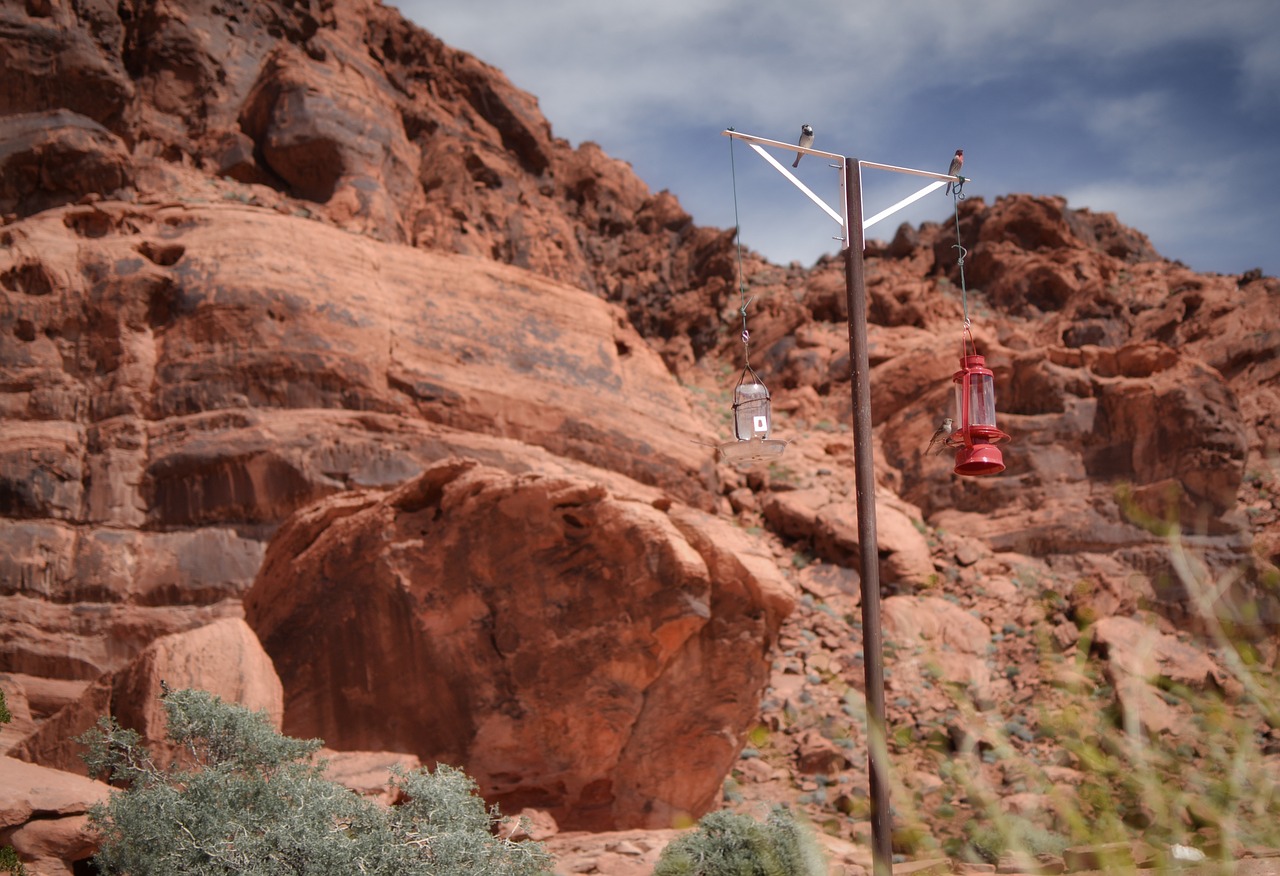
1109 856
817 755
1024 862
924 867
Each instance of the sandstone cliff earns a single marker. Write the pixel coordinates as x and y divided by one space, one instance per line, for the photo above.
309 319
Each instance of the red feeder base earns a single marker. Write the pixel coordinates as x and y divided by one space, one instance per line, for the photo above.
978 460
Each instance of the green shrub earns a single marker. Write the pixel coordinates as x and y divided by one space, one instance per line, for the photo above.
9 862
728 844
243 799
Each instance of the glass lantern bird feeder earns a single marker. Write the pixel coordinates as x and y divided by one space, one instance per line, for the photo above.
976 435
752 422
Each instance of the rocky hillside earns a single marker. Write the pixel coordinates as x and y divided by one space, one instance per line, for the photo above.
333 382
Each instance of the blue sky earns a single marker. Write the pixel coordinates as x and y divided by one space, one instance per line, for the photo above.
1165 112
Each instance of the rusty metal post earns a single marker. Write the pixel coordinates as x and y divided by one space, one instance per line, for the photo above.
865 486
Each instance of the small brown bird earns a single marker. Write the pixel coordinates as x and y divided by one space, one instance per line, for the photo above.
957 162
940 437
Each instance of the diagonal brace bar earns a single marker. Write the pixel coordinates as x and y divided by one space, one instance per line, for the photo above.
801 186
910 199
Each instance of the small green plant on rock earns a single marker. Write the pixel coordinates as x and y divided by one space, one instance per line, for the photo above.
729 844
9 862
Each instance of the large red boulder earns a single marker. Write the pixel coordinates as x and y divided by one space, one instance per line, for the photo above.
574 649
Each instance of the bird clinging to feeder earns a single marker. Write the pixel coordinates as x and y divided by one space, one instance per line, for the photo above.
941 434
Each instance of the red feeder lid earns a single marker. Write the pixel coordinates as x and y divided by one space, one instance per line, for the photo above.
978 460
972 364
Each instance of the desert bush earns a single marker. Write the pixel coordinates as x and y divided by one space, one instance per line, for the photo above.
241 798
730 844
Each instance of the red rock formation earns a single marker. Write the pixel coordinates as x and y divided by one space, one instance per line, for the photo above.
43 815
540 630
58 156
155 434
828 524
264 258
937 637
368 772
223 658
377 126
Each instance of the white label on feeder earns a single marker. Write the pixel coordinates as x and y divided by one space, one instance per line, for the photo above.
760 424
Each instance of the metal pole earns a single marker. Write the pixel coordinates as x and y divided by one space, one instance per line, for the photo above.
865 486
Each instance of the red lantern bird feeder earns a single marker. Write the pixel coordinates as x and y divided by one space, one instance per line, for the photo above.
975 435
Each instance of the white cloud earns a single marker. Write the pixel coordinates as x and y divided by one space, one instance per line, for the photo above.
1197 216
1130 118
1260 71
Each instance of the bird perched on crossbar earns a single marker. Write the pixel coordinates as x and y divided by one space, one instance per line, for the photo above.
957 162
806 140
940 437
